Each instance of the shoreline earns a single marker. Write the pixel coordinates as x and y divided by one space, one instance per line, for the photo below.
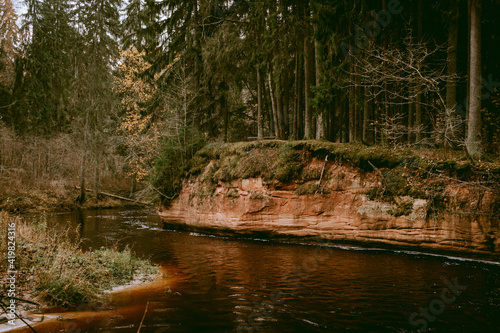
54 275
39 199
50 315
486 258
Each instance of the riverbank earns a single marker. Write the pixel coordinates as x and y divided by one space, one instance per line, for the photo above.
41 174
403 198
39 200
50 271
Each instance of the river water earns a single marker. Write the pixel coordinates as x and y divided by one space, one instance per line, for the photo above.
220 284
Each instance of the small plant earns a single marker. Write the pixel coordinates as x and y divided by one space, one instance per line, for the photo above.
402 209
307 189
257 196
289 165
232 193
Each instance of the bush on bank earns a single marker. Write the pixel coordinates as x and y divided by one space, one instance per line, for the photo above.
52 269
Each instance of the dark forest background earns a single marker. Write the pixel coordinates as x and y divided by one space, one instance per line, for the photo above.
101 87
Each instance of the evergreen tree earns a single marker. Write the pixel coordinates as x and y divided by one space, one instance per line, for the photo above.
9 34
49 67
99 28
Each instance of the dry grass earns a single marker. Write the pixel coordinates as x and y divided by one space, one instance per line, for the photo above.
41 173
53 269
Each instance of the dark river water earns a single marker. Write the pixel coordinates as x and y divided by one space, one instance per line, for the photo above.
239 285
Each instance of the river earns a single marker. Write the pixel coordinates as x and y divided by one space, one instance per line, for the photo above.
221 284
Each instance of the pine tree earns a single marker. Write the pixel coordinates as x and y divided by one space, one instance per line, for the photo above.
48 64
99 28
9 34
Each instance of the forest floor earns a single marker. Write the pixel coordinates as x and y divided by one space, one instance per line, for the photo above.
52 199
41 174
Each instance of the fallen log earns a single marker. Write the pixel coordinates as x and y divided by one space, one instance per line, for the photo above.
117 197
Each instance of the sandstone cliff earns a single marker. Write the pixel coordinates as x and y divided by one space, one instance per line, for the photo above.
405 201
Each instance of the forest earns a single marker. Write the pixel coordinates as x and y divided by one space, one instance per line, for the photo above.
93 89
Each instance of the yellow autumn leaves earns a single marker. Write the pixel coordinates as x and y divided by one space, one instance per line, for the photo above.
141 135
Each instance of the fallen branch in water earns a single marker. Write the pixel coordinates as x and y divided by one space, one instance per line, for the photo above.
144 316
117 197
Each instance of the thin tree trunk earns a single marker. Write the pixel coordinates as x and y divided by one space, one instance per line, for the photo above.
451 87
197 64
359 120
352 112
418 102
474 129
366 116
295 112
346 118
226 117
260 135
340 116
320 122
273 103
279 103
411 108
286 104
81 197
300 98
96 173
308 80
468 71
418 118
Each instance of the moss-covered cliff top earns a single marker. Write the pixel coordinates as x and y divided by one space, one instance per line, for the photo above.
299 166
283 160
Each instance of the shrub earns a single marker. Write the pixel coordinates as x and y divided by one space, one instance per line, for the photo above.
62 274
232 193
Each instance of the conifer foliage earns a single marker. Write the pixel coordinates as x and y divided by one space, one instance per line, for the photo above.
167 73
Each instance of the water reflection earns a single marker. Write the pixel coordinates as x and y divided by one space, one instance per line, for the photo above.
223 284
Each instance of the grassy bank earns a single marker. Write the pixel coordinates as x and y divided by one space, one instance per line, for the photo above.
53 271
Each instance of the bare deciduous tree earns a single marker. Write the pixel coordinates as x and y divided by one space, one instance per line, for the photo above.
400 76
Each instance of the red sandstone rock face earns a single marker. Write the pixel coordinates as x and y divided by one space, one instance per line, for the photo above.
345 215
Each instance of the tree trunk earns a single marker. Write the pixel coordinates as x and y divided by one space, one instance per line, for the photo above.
300 98
366 116
260 135
468 72
418 102
340 116
359 120
225 111
352 110
451 87
97 183
197 119
273 104
411 108
320 122
418 118
345 110
279 102
81 197
286 104
474 129
308 81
